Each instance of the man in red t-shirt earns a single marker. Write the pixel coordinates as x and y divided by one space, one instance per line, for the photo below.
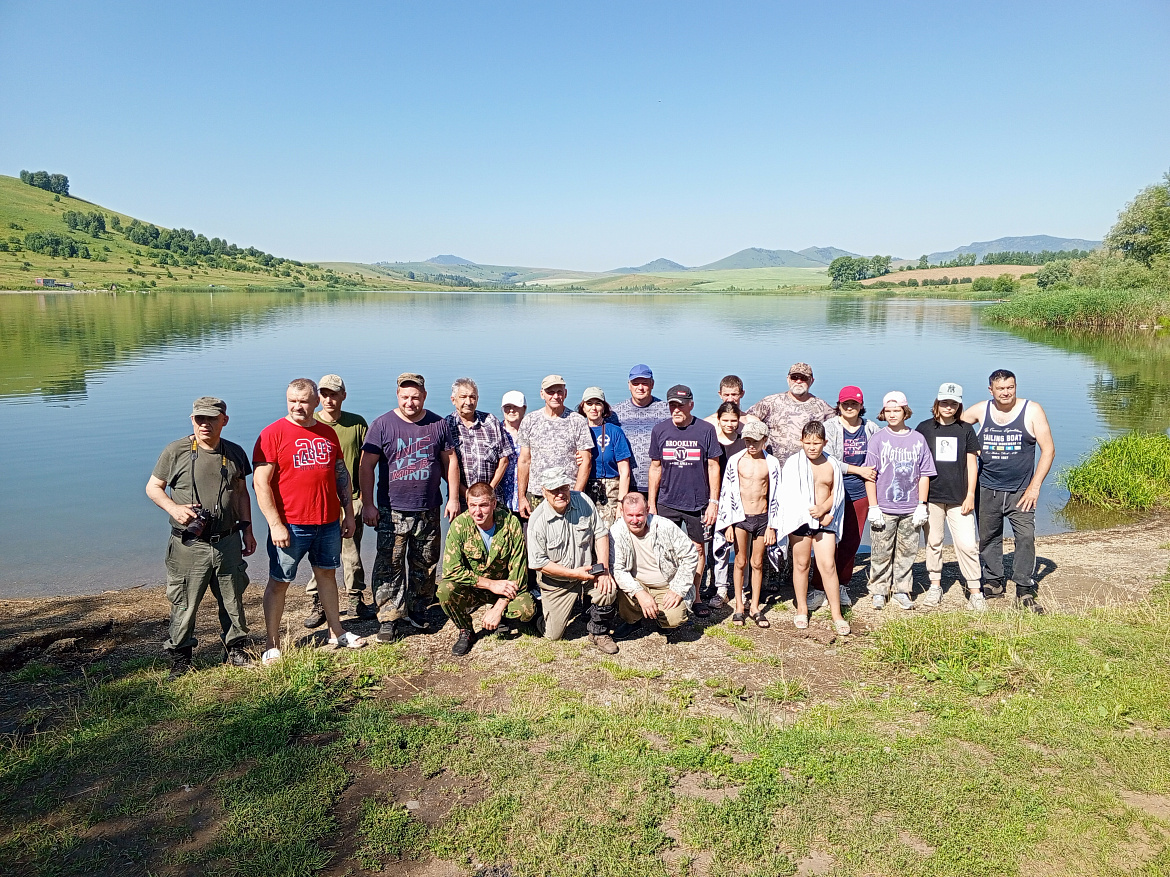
302 487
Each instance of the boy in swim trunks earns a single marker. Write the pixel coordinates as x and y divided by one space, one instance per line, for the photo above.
813 484
753 534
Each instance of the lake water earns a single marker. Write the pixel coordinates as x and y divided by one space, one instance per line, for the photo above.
93 386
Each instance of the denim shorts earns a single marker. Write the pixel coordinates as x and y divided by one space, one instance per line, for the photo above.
322 542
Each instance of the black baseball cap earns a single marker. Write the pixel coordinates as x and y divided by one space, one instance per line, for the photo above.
680 393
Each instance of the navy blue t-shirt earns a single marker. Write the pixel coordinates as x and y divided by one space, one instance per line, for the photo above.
684 454
855 445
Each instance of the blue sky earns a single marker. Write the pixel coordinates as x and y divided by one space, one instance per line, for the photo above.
593 135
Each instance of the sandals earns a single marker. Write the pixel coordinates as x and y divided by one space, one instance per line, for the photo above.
761 621
700 609
738 619
842 627
800 622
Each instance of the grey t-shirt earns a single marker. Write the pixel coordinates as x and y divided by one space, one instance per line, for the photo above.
216 474
637 423
553 443
565 539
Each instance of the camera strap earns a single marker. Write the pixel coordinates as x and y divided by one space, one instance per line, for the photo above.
223 474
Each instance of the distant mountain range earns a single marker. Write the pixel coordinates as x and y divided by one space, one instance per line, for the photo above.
752 257
1035 243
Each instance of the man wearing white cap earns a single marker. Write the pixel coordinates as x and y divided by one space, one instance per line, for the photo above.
351 432
568 546
551 438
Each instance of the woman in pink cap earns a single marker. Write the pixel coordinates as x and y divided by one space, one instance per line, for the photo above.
897 501
847 440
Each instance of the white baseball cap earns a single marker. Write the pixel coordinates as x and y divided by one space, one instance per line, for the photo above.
513 397
950 391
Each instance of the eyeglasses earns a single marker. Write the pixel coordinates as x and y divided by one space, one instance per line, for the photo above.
800 378
556 391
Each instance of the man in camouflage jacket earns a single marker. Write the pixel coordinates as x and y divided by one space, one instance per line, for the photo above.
485 562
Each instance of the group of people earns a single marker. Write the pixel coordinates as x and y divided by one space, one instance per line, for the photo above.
616 508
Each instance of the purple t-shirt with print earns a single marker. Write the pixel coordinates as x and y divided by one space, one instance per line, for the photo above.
900 460
409 470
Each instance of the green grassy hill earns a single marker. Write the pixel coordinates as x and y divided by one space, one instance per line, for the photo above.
113 259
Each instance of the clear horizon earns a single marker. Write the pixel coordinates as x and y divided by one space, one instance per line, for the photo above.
592 138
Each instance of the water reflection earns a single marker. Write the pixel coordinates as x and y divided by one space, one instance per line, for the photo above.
1133 389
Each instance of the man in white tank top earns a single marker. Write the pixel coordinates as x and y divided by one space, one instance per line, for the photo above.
1010 429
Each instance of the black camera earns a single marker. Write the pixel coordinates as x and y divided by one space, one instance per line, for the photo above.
194 529
597 569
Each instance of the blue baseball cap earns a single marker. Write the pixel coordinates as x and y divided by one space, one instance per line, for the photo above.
641 370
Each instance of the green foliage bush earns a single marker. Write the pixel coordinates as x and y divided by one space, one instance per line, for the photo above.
982 284
1053 273
1130 471
93 222
52 244
1005 284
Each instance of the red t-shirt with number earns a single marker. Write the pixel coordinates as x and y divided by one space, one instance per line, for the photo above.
305 486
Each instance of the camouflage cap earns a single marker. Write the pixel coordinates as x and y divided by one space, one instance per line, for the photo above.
331 382
412 378
208 406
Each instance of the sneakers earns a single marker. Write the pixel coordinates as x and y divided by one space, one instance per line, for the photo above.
816 599
360 610
237 657
976 602
271 656
933 596
180 662
842 627
846 600
719 600
316 616
604 643
879 602
463 644
347 640
994 588
903 601
388 632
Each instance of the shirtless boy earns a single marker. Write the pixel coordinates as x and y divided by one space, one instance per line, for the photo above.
752 471
819 526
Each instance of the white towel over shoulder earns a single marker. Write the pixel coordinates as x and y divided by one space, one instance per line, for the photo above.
798 495
731 506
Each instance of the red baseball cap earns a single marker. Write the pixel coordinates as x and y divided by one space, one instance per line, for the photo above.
853 393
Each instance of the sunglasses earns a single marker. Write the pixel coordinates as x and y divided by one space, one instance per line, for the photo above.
800 378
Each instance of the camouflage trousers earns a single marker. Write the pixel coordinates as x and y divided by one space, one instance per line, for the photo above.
459 601
403 578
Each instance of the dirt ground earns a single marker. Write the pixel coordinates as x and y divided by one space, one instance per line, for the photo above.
1076 571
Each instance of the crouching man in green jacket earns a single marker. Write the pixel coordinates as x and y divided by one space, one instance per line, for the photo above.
485 562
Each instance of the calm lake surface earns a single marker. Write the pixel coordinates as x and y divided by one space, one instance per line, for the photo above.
93 386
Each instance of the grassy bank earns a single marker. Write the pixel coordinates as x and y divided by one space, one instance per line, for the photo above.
1130 471
996 745
1082 308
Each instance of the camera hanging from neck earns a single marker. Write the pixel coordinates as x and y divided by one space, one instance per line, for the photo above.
223 475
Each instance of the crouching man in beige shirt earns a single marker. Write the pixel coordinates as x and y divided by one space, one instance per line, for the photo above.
653 564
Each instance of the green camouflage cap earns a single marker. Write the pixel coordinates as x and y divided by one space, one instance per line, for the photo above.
208 406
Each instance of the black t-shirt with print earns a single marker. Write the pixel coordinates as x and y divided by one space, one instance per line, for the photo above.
949 445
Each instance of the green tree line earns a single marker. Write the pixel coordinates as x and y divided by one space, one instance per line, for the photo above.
1023 257
93 222
58 184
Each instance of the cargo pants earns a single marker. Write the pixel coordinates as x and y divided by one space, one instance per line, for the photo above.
403 578
557 599
892 552
191 570
459 601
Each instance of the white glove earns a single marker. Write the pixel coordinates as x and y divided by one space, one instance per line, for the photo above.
877 521
920 515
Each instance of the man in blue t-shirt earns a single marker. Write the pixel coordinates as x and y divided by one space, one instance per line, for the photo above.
684 474
637 416
409 449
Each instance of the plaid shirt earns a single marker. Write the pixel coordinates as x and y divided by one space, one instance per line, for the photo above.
480 447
